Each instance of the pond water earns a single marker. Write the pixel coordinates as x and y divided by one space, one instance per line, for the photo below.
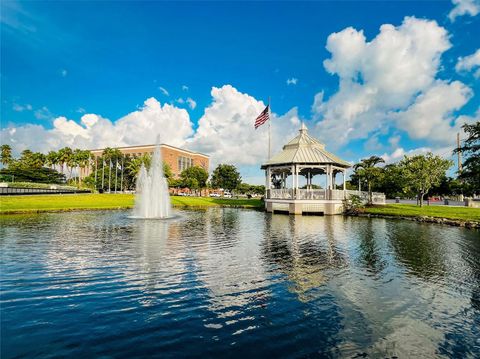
236 283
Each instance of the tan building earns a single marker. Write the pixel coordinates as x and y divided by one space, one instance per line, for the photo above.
177 158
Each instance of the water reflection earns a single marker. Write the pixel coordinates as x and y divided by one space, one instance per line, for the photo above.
236 283
302 248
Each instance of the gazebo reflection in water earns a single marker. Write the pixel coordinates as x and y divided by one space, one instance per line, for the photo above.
304 157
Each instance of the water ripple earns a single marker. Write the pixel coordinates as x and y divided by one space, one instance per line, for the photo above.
235 283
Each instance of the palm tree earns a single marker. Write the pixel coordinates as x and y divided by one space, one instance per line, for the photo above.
52 159
366 169
84 159
6 155
64 157
37 160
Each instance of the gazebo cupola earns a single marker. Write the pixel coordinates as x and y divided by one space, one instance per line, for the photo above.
303 171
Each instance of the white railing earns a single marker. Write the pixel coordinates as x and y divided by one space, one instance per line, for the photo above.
311 194
376 196
323 194
338 194
284 193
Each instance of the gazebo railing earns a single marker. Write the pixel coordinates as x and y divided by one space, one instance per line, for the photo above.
322 194
311 194
283 193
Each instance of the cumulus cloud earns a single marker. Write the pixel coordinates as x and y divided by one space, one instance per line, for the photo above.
464 7
226 131
93 131
399 153
386 81
292 81
430 116
469 63
191 103
164 91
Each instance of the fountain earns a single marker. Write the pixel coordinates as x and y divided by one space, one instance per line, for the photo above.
152 199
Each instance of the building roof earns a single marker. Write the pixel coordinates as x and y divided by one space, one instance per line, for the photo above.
305 149
152 147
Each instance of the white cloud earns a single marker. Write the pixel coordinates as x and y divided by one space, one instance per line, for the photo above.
469 63
394 140
317 106
43 114
381 78
292 81
180 100
81 110
20 108
184 87
430 116
63 73
464 7
93 131
226 131
191 103
399 153
164 91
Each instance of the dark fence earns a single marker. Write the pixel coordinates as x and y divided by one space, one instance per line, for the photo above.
9 191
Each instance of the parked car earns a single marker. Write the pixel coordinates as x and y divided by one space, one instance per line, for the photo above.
227 195
214 195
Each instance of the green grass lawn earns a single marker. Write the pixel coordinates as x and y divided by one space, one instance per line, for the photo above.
408 210
42 203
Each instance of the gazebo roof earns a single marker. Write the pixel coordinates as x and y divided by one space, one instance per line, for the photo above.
305 149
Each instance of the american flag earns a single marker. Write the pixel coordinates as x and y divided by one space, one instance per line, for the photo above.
262 118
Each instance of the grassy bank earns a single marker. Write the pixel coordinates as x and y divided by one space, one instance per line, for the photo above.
407 210
46 203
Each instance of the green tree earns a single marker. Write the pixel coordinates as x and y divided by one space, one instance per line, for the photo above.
6 155
368 171
422 172
37 175
470 149
37 160
392 183
226 176
194 177
64 157
51 159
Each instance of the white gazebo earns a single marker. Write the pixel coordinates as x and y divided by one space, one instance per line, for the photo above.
302 178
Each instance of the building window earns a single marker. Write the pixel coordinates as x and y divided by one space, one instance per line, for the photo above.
184 163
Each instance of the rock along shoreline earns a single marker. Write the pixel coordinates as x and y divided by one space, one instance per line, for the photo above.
423 219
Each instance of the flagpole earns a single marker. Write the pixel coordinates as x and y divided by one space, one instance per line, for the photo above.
269 130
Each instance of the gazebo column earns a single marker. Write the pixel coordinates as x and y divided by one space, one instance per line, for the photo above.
344 180
268 181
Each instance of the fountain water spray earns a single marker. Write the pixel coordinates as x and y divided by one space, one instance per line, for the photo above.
152 199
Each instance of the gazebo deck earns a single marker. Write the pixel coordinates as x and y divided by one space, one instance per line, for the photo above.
319 201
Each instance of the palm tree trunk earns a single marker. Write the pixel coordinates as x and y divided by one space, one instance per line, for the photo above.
369 193
96 162
103 173
110 176
116 174
121 177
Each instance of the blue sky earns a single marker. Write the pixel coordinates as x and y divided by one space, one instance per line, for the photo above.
117 65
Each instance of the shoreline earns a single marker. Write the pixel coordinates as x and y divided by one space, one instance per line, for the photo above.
422 219
117 208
